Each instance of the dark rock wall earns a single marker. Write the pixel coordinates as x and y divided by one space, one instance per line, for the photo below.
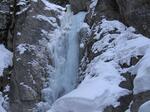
5 20
79 5
134 13
60 2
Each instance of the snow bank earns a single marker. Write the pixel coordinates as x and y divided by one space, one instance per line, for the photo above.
5 58
98 90
145 107
122 47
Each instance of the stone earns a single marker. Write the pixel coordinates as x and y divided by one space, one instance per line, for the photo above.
4 21
79 5
30 64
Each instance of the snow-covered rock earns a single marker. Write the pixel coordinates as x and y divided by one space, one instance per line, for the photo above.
145 107
116 45
1 102
98 90
142 80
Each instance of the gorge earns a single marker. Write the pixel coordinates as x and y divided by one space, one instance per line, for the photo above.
74 56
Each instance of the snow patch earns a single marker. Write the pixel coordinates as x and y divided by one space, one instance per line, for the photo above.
1 103
35 0
22 2
51 6
94 3
21 48
5 58
23 10
50 20
19 33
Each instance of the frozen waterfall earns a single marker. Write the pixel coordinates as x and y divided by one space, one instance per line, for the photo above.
66 54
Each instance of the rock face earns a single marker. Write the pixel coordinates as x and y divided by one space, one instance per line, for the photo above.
136 13
31 58
125 10
79 5
60 2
